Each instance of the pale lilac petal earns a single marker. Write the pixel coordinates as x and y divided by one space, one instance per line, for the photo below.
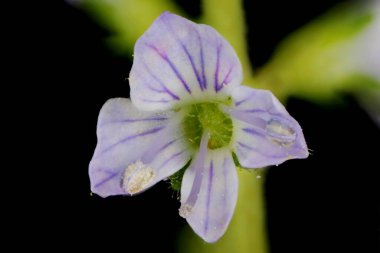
264 132
135 149
214 205
177 60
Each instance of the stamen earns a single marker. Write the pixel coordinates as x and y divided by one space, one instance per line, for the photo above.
185 210
198 165
280 132
275 128
136 177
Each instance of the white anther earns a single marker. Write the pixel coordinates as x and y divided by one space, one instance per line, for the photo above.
280 132
136 177
185 210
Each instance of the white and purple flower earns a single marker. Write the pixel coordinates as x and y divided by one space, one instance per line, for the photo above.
187 105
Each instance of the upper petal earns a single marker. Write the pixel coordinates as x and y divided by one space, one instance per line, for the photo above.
216 201
177 60
135 149
264 132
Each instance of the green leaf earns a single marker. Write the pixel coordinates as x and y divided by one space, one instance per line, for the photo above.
127 19
316 62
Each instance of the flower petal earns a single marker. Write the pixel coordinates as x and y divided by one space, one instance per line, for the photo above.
216 200
177 60
264 132
135 149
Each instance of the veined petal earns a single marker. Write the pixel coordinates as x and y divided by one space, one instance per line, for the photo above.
215 202
135 149
264 132
176 60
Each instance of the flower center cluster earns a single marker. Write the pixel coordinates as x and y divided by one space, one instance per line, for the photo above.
207 117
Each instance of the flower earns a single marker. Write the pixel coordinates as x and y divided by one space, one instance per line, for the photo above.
187 104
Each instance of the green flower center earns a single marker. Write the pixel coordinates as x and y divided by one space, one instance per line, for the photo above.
207 117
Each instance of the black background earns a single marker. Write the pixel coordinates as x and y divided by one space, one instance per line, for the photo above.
326 203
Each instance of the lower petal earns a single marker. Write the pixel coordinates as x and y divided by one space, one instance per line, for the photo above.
135 149
217 196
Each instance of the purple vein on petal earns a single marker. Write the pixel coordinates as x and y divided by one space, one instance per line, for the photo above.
154 88
189 56
255 111
112 175
172 66
238 103
248 98
202 61
166 146
155 101
245 145
225 80
199 167
193 65
133 121
209 188
171 158
225 181
155 149
260 112
258 150
131 137
216 73
239 149
253 132
163 86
